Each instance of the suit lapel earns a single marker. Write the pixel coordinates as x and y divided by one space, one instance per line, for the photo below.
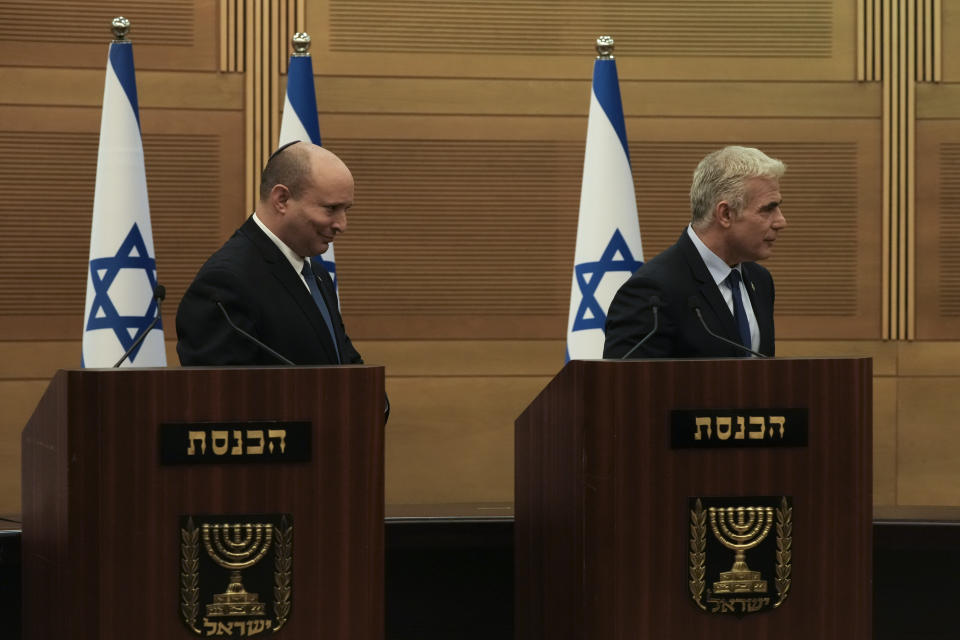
292 283
709 291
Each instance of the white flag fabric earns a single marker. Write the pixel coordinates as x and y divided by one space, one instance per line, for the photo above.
608 246
300 122
122 274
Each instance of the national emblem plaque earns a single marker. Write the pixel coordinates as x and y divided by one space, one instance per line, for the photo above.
740 553
236 573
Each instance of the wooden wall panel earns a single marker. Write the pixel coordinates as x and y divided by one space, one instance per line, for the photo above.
656 39
791 28
929 358
157 89
385 96
938 229
174 34
885 441
928 444
456 228
950 32
192 162
57 169
464 427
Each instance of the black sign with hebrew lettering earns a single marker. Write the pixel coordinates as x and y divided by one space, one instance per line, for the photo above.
736 428
232 442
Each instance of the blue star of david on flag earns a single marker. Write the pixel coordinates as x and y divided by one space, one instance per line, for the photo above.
132 254
616 257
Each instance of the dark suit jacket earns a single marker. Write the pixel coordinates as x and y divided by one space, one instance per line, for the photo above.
266 298
677 275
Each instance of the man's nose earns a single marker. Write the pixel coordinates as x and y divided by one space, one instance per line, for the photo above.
780 220
340 222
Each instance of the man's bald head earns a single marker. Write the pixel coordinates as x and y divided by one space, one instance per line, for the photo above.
293 165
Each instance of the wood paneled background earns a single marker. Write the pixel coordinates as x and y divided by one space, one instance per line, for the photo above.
464 124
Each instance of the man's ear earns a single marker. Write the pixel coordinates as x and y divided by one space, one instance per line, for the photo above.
279 196
724 214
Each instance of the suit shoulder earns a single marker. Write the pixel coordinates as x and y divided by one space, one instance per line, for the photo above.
236 252
664 263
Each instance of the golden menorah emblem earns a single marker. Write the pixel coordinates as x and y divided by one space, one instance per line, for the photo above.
762 525
236 547
740 529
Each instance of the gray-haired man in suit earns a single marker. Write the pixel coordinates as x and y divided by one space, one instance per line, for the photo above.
736 219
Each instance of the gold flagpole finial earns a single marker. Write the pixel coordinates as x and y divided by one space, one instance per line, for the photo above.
604 48
120 27
301 44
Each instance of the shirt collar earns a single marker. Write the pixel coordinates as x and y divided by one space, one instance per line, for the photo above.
719 269
295 261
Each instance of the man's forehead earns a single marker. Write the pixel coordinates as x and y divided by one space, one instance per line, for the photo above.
762 187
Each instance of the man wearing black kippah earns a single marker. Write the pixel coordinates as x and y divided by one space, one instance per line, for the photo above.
263 280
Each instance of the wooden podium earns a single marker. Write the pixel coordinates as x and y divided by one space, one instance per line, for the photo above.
121 467
610 542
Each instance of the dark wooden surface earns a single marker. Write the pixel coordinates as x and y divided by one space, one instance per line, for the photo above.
101 515
602 516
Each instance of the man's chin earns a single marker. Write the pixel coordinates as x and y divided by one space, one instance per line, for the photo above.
765 252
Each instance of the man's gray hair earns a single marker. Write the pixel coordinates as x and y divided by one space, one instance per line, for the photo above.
723 174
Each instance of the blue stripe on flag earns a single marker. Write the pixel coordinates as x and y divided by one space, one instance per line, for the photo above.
606 86
121 59
302 97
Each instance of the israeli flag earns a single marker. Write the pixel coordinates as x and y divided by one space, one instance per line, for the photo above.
608 233
300 122
122 273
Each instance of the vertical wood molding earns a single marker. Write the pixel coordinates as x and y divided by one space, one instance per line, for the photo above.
255 40
906 39
914 56
250 104
233 36
937 41
887 118
225 21
869 40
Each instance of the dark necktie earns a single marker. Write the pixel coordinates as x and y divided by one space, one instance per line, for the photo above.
311 279
739 313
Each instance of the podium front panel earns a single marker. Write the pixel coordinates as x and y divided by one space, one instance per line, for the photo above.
606 517
103 553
